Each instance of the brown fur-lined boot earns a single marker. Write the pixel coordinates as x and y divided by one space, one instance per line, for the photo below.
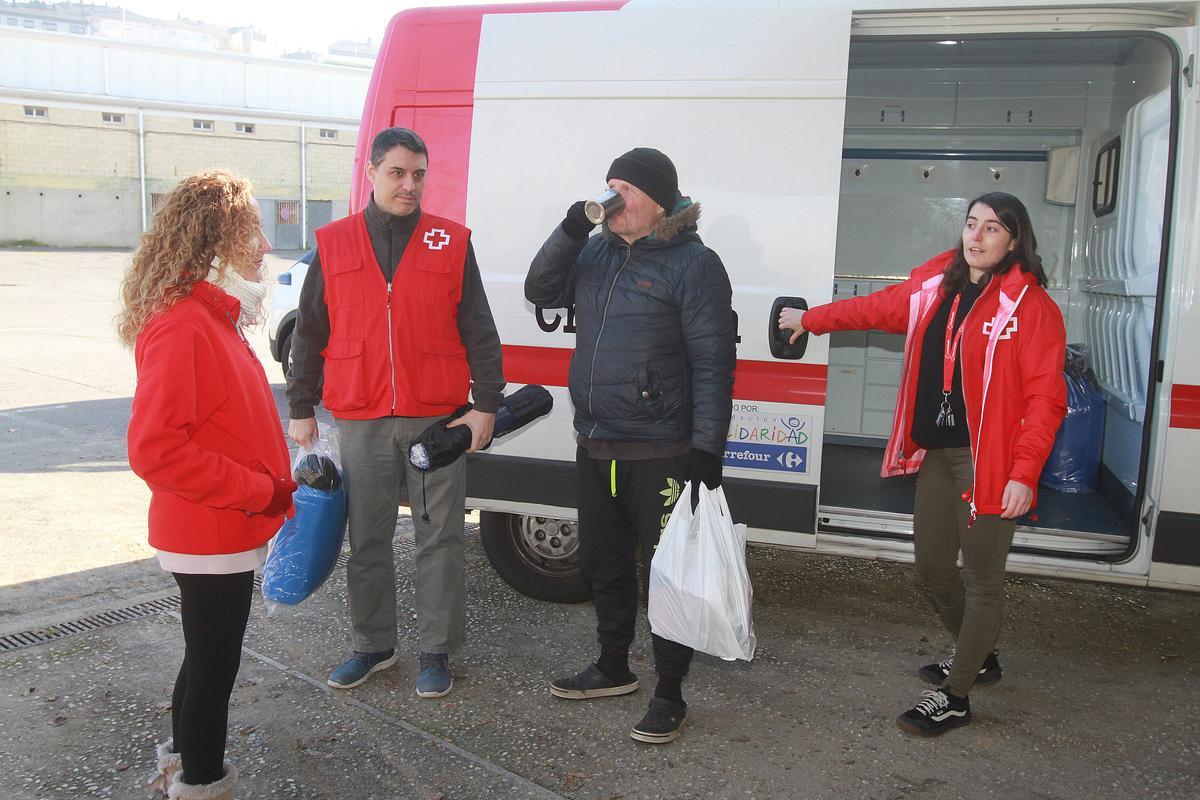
169 762
217 790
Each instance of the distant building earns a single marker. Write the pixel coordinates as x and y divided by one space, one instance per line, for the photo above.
354 49
95 130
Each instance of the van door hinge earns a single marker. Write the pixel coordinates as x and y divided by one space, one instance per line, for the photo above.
1159 368
1189 71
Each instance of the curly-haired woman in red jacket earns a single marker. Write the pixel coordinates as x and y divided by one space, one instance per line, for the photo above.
206 438
981 398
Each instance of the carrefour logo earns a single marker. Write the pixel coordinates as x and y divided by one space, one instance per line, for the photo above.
780 458
790 460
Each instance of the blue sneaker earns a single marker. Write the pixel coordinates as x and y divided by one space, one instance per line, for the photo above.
356 668
434 680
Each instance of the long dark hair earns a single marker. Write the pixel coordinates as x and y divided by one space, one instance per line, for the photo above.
1015 218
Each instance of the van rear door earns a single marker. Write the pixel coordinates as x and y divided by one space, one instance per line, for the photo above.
749 103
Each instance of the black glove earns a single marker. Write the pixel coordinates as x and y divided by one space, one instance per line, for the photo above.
705 468
281 497
576 224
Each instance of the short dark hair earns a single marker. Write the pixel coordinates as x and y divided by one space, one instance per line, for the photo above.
389 138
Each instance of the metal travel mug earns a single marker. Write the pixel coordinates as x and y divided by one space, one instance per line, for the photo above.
603 206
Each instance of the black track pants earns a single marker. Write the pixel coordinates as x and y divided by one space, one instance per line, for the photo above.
624 505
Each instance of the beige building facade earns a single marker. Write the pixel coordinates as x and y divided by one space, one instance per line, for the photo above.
81 168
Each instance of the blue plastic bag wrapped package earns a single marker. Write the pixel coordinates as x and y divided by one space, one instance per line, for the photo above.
305 551
1074 462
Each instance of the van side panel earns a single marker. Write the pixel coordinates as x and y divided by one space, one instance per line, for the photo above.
1176 553
424 79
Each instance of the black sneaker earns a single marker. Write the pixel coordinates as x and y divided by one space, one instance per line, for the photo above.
662 722
593 683
937 673
937 713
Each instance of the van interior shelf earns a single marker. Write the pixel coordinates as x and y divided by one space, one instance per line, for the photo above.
915 154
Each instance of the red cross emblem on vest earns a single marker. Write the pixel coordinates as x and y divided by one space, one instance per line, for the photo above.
437 238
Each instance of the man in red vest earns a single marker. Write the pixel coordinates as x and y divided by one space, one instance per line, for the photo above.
394 320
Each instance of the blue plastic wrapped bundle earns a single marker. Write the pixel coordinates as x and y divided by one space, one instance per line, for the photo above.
1074 462
305 551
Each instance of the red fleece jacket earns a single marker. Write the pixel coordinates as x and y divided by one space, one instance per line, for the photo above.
1011 353
205 434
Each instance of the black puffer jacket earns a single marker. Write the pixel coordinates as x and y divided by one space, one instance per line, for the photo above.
654 338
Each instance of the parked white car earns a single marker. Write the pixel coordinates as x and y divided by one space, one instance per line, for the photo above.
281 320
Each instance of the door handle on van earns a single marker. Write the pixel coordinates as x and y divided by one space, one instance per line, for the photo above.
779 338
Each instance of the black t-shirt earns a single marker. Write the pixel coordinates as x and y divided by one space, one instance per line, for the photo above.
925 430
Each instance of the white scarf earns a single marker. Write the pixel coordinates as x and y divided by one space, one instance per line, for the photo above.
250 294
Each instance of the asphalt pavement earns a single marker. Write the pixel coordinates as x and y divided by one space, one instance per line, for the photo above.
1098 700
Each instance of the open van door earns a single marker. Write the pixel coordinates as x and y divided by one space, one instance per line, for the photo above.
750 108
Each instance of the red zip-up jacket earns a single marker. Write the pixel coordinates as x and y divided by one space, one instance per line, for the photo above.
204 433
1011 354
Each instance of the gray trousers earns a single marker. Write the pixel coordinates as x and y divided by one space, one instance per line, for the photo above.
377 471
971 601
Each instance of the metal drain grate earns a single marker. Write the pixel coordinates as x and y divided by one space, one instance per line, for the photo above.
104 619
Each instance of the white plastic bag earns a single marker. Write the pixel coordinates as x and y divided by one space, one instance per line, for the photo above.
700 593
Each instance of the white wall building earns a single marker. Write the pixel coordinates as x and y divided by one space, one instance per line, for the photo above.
92 128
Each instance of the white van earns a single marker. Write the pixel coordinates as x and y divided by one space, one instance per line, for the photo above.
833 147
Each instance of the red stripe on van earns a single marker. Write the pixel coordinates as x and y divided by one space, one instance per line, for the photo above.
546 366
766 381
1185 406
780 382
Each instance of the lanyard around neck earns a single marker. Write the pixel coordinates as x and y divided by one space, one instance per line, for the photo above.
950 353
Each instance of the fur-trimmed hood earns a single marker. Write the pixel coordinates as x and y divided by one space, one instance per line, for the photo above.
683 220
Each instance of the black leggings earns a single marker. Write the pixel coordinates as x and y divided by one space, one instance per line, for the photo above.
215 609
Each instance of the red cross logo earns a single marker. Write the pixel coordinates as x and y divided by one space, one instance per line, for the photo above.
1008 331
437 238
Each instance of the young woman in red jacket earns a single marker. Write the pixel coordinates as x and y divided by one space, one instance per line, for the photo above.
981 398
206 437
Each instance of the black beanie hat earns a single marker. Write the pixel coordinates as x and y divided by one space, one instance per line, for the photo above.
650 171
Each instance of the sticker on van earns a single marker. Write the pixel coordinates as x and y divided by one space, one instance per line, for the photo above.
768 441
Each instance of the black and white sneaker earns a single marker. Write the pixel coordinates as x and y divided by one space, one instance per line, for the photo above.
937 673
938 712
591 682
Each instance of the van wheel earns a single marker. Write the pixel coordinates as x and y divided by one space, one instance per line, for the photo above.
285 354
537 556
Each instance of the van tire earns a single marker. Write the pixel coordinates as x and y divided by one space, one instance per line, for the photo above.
285 353
521 548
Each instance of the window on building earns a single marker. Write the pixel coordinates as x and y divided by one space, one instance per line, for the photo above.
49 26
287 212
28 23
328 133
77 29
12 21
244 127
157 201
114 118
202 125
36 111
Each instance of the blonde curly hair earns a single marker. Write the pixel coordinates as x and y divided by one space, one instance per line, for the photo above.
207 216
